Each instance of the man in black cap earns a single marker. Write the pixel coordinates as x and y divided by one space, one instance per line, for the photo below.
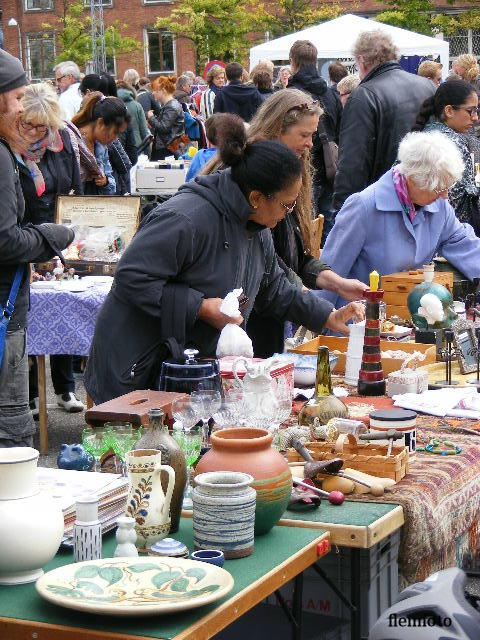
18 247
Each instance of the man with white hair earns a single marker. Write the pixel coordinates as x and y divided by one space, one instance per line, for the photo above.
377 116
67 81
404 219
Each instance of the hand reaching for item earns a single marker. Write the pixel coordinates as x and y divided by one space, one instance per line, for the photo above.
336 321
351 289
210 313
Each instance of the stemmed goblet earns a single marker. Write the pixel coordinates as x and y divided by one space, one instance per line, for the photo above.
97 442
191 443
122 438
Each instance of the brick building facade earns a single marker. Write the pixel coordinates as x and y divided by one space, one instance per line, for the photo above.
159 53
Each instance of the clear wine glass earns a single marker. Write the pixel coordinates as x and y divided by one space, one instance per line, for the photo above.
185 412
205 404
191 444
283 412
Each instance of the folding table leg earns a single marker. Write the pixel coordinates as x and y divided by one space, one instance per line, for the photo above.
42 405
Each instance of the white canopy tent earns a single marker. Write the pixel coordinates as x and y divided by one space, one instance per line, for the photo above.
335 39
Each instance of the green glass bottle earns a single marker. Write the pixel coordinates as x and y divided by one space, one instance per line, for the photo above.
323 405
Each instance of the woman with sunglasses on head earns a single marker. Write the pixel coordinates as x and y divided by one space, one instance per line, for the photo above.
291 117
48 167
208 239
453 110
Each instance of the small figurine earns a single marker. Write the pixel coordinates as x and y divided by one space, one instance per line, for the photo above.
49 276
74 456
126 538
71 273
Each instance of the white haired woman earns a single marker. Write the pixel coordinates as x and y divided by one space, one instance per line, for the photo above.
404 219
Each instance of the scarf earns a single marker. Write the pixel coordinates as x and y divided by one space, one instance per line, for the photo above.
89 168
401 190
33 153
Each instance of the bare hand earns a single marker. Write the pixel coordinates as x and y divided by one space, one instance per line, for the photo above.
150 113
100 181
336 321
351 289
210 313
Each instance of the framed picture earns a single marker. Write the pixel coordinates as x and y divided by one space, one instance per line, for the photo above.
465 345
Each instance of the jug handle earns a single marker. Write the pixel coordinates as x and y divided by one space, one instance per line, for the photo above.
171 482
234 368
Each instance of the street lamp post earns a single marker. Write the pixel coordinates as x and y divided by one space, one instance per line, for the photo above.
13 23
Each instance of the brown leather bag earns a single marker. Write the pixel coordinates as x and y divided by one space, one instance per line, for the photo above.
175 144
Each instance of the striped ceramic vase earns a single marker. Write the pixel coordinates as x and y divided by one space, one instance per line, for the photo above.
224 512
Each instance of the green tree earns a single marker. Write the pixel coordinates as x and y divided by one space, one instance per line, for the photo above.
420 16
290 16
72 28
217 28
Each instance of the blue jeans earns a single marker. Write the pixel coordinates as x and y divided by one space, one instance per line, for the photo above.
16 423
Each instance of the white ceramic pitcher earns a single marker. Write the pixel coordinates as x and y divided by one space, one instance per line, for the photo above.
147 502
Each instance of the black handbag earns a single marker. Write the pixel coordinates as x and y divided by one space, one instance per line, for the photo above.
330 153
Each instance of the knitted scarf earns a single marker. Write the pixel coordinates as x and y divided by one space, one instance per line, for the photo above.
33 153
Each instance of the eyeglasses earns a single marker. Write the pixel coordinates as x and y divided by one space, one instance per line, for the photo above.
346 93
470 110
26 126
60 77
440 191
305 106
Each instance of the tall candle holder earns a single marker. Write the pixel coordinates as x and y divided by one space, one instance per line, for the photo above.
447 353
476 352
371 381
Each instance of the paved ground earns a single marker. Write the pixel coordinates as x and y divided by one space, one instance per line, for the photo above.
63 427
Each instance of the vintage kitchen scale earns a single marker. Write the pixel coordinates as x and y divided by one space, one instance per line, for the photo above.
104 226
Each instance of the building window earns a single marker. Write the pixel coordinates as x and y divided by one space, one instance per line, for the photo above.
157 1
40 56
160 52
38 5
464 41
105 3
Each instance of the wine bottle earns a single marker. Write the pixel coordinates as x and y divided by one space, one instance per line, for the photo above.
156 436
323 405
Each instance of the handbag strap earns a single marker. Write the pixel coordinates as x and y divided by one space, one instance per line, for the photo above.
9 307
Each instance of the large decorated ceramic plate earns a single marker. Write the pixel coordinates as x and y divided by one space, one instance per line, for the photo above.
135 586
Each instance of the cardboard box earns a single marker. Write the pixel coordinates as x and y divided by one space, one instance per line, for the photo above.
339 346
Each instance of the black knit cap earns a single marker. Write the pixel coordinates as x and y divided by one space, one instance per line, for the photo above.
12 75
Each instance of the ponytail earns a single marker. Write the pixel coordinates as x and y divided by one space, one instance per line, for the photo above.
267 166
426 112
96 105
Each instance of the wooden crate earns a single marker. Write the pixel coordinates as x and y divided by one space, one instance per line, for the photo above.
339 346
365 457
397 286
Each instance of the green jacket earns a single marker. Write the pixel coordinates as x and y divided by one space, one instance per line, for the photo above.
137 114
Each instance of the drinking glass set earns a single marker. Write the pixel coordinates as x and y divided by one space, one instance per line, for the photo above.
117 436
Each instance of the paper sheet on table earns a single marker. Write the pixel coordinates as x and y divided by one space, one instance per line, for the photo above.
456 403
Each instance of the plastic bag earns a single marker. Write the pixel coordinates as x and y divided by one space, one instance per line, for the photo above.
233 340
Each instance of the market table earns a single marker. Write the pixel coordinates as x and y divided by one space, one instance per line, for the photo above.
278 557
60 322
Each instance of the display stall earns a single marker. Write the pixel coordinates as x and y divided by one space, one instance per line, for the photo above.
334 39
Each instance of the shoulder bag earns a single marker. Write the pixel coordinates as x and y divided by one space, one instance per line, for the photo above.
7 310
330 153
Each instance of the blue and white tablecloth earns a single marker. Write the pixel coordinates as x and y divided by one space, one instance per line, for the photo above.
63 321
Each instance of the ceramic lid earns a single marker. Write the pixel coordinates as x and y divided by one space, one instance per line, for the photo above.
387 415
168 547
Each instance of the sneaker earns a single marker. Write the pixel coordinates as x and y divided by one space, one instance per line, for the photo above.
34 404
69 402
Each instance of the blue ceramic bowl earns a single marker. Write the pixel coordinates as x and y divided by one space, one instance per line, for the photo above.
212 556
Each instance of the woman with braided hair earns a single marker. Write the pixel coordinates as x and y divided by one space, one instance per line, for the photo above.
452 110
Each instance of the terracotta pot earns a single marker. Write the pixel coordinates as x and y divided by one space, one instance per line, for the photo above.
249 450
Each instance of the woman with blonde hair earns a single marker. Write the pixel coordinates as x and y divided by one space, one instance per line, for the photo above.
291 117
169 126
47 167
215 79
466 66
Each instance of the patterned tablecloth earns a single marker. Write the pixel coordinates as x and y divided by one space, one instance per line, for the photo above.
63 321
